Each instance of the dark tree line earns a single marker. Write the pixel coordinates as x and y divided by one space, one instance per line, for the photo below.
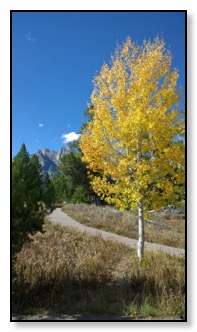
72 183
32 195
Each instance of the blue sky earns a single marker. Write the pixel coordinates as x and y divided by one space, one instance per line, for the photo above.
55 56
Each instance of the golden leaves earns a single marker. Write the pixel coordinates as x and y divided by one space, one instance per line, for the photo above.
131 140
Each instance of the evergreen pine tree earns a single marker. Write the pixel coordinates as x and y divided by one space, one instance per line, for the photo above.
48 194
27 218
61 187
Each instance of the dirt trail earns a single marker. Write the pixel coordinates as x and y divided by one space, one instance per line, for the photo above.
57 216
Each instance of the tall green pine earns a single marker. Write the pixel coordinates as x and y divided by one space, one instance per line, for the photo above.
48 193
27 218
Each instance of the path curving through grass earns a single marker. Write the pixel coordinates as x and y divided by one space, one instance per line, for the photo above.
57 216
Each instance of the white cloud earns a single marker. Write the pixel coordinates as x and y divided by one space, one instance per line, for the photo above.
40 125
70 137
30 38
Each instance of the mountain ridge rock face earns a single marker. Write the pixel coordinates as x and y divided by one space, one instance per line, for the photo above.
49 159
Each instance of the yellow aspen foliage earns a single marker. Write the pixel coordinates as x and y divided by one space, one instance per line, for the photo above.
134 144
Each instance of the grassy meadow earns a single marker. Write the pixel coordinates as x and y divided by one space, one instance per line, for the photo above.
167 228
68 272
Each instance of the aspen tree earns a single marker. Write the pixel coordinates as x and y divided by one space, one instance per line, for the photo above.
133 145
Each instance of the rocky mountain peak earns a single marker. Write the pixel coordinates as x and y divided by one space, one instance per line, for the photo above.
49 159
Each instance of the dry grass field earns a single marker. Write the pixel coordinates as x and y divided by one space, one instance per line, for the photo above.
63 271
167 226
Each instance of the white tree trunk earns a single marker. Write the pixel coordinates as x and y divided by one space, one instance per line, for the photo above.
140 251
